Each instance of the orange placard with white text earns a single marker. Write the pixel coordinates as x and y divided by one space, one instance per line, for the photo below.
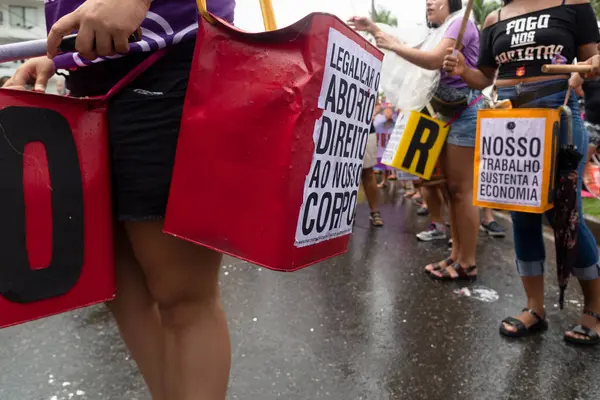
515 158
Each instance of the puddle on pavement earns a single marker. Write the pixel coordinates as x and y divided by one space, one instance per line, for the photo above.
480 293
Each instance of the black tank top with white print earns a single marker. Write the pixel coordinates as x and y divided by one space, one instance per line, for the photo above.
520 45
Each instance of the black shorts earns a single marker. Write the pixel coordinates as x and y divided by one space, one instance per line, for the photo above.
143 124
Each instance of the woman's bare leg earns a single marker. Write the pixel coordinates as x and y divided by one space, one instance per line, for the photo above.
534 289
456 244
452 217
487 215
457 164
383 182
432 199
459 175
370 184
184 281
137 316
591 296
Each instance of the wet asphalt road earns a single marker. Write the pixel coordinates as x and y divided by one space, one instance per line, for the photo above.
366 325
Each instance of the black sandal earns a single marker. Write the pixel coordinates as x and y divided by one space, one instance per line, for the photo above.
462 274
439 266
376 219
592 336
540 325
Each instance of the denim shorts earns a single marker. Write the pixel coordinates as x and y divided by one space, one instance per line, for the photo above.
143 127
463 131
527 228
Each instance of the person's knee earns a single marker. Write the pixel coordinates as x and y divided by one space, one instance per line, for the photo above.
180 276
183 278
185 292
459 192
178 311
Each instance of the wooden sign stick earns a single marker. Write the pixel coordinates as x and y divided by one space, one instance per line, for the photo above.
463 26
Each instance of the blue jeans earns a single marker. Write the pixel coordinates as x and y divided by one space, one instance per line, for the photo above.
527 228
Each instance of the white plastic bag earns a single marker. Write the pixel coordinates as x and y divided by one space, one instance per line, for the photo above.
407 86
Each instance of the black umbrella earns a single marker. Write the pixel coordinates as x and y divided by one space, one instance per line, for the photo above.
566 213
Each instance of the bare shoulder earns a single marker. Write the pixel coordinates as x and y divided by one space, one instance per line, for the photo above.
569 2
491 19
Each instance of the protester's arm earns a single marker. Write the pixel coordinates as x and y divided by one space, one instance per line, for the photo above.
482 76
427 59
479 78
589 53
364 24
476 78
587 36
432 59
104 28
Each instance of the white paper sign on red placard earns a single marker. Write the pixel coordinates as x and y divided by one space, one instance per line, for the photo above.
348 95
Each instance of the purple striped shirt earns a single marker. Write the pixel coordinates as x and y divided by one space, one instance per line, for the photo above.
168 22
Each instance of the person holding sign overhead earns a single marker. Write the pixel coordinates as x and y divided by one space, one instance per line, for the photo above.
457 104
168 307
517 41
